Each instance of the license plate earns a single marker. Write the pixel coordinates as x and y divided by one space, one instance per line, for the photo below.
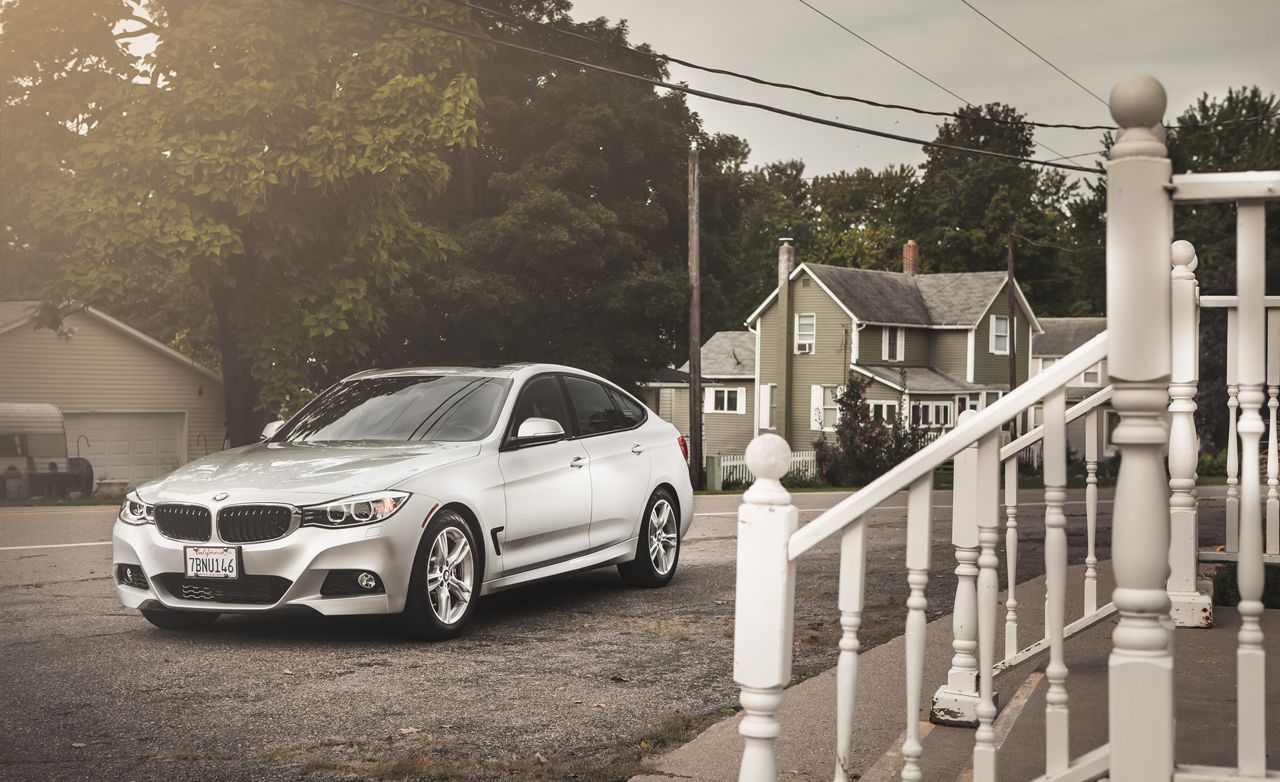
213 561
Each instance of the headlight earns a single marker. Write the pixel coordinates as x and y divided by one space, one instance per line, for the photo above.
134 511
360 509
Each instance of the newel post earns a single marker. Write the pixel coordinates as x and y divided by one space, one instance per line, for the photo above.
1139 234
1189 607
765 605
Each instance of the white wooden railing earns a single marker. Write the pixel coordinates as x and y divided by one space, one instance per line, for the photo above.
1151 305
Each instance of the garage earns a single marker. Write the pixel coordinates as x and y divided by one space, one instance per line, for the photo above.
129 447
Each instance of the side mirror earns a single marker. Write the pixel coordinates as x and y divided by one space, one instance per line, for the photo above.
535 430
270 430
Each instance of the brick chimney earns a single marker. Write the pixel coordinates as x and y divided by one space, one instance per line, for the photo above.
910 257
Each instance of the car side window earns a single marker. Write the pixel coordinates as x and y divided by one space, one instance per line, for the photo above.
594 410
542 398
630 410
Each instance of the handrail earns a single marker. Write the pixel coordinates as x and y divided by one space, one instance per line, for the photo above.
1230 302
948 445
1078 410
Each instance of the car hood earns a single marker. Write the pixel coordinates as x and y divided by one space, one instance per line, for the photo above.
278 471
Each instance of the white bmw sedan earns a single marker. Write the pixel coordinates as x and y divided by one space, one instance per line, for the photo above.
412 492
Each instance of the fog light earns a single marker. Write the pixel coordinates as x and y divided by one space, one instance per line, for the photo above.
367 580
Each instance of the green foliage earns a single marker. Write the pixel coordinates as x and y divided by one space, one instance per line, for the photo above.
1212 463
863 448
268 175
1226 591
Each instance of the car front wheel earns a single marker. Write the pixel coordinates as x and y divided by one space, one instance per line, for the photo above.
446 576
658 549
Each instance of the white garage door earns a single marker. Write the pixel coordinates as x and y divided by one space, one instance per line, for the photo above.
133 447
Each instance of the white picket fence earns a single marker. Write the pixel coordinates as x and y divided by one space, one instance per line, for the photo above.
733 467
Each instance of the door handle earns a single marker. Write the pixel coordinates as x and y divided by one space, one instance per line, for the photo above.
637 449
578 462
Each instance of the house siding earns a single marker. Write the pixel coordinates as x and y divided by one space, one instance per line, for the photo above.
827 365
101 369
992 369
722 433
949 352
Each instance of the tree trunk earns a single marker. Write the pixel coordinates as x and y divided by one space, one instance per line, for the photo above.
244 421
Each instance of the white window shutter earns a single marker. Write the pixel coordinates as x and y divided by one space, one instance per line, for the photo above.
815 408
741 396
708 400
764 402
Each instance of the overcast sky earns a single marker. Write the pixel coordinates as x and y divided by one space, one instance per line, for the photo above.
1192 46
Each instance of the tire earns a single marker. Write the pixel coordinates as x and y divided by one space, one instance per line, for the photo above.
654 568
427 615
167 619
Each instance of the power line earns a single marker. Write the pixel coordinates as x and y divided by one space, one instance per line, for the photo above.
684 88
850 31
1065 75
662 56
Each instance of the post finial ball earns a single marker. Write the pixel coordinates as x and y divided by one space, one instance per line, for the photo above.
768 457
1138 102
1184 254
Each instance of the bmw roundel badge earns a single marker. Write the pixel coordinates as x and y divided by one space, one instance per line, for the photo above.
220 496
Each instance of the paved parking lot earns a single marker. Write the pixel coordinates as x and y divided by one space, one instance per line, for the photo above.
578 678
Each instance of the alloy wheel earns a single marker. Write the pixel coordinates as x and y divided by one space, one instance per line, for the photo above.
663 537
450 575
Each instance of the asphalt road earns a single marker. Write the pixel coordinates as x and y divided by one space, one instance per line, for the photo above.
576 678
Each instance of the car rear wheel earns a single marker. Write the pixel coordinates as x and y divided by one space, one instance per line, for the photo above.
167 619
445 580
658 549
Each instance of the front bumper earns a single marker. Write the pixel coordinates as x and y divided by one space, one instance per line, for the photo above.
302 558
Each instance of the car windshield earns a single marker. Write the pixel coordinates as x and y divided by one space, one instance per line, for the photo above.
443 408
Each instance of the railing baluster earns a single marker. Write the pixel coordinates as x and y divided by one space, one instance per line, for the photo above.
1233 438
1273 464
1055 559
853 558
1139 224
1250 655
764 610
1091 512
1011 555
1188 608
956 702
987 476
919 524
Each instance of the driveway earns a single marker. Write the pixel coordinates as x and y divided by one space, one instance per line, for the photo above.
577 678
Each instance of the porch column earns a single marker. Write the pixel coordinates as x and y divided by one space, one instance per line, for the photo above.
1139 233
1189 607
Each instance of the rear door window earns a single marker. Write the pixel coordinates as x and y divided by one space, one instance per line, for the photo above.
593 407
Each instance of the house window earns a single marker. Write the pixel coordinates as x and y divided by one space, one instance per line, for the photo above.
1045 363
806 332
724 400
1092 376
892 343
825 411
931 415
1000 334
883 412
768 406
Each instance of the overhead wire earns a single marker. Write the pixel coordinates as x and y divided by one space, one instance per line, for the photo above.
852 32
1041 57
686 89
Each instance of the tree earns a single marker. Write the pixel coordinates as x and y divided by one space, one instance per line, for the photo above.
570 217
270 171
863 447
864 217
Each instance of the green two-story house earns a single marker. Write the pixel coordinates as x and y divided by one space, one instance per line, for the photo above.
936 344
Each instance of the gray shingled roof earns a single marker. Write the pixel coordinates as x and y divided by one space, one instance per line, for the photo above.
922 380
728 354
1063 335
957 299
13 311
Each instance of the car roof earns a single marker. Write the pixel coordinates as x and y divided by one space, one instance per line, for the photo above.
478 369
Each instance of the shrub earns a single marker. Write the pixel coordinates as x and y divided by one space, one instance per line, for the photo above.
863 448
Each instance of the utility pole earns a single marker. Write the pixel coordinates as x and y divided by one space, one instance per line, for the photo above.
695 329
1013 331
